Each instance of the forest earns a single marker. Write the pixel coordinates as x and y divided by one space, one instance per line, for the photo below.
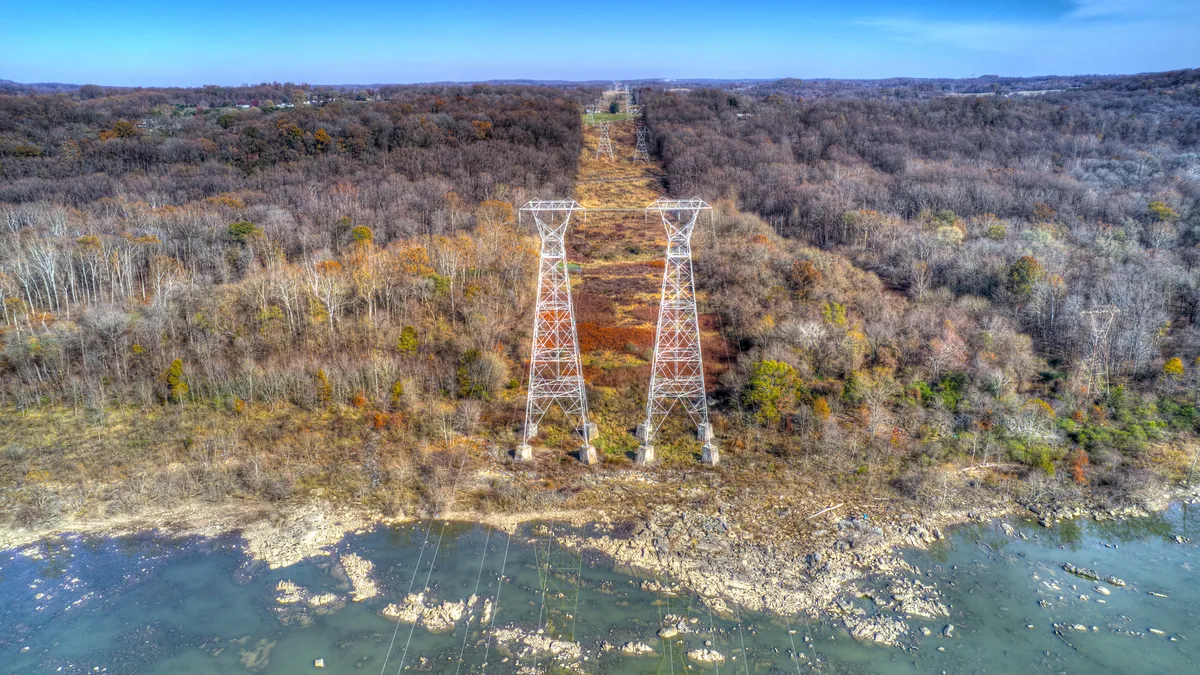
159 251
990 226
292 286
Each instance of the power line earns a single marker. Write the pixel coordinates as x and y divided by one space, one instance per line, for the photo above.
496 604
467 624
742 636
795 655
417 567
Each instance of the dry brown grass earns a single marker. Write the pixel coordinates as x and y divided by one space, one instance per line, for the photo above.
621 272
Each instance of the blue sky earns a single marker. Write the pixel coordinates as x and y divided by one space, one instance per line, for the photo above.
364 41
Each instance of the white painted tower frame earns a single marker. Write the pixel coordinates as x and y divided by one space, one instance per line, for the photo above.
677 374
555 371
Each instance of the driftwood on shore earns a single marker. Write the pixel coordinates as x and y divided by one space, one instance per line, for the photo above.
993 465
824 510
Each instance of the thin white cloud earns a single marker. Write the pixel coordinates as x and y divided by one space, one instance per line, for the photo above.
1095 36
1116 9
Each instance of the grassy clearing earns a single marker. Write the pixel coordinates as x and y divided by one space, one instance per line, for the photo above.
602 117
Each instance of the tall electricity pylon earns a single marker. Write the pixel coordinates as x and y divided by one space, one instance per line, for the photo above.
640 151
591 117
604 144
555 375
1095 366
677 376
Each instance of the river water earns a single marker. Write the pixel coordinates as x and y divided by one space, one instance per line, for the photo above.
151 604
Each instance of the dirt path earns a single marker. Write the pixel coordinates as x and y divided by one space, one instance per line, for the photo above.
620 255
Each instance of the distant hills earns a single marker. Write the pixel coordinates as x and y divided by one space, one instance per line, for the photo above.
10 87
788 86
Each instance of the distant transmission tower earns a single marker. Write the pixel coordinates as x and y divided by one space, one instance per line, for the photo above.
1095 366
641 152
604 144
628 101
555 375
591 117
677 376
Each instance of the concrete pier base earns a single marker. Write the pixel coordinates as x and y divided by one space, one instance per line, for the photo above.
587 455
590 433
645 455
710 455
640 434
523 453
704 432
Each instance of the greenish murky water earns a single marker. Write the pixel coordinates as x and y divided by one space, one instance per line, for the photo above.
154 605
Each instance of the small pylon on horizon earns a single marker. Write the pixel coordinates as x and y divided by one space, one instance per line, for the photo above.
640 151
604 143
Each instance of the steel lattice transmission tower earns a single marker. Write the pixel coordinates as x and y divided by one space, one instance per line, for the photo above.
1095 367
640 150
591 117
555 374
604 144
677 375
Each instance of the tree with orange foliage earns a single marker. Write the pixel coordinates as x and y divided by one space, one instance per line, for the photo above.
1079 462
323 139
821 409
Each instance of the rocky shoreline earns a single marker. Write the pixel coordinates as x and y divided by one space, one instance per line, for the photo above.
733 555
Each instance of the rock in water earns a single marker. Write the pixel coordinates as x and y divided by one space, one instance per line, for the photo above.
636 648
1081 571
706 656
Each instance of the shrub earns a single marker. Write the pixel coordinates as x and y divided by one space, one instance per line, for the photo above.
177 387
243 231
324 389
1022 276
771 391
407 344
481 375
